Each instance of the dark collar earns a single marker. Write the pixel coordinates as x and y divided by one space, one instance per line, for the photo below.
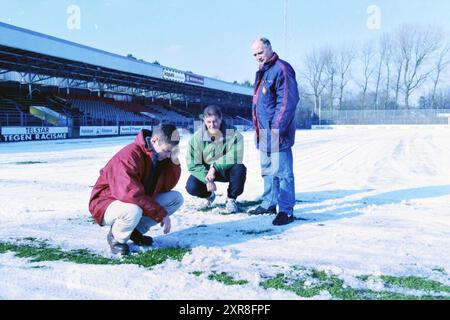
269 63
149 146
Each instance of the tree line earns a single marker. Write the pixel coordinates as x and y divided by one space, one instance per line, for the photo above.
386 73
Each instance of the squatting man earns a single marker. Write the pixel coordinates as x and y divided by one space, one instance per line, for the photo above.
134 190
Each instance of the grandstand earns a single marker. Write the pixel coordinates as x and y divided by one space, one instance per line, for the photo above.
50 82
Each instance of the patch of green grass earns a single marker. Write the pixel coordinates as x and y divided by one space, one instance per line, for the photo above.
363 278
29 162
243 206
440 270
313 282
417 283
226 279
43 252
255 232
78 220
247 204
330 283
31 239
208 209
197 273
153 257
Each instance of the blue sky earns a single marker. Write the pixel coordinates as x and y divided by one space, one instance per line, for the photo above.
212 37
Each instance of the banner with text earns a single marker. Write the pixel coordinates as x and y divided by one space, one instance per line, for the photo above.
133 129
98 131
14 134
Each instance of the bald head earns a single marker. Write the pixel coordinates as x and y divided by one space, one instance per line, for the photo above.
262 50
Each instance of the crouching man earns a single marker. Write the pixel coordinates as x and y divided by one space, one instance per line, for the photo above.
133 192
215 154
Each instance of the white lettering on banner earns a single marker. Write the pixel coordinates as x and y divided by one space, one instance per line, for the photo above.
17 137
195 79
174 75
51 136
33 130
99 131
31 137
133 129
37 130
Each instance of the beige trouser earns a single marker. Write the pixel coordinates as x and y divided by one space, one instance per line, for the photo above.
125 217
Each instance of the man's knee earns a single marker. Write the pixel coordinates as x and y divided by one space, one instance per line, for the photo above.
193 186
239 172
285 172
178 200
132 213
171 201
240 169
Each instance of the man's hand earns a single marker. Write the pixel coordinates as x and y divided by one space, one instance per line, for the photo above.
211 174
174 155
211 187
166 224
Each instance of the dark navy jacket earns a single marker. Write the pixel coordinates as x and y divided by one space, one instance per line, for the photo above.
274 102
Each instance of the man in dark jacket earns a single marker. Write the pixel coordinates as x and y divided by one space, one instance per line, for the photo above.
133 192
274 103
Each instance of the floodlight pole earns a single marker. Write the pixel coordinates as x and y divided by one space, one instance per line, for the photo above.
286 2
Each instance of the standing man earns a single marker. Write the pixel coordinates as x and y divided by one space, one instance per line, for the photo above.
274 102
133 192
215 154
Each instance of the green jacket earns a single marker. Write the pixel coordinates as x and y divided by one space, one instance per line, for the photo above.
222 153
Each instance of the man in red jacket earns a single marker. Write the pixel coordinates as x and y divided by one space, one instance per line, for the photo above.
133 192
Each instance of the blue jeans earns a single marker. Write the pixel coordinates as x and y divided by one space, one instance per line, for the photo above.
279 185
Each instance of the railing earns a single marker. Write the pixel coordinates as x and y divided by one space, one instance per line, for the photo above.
415 116
22 120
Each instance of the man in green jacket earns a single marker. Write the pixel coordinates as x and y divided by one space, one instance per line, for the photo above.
215 153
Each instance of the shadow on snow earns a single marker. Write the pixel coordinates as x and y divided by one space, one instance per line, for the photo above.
255 227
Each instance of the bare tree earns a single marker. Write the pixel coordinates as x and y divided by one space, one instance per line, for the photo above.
367 57
416 46
399 61
346 55
443 61
331 71
386 49
315 74
383 48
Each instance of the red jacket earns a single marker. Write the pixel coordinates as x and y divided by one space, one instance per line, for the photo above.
126 177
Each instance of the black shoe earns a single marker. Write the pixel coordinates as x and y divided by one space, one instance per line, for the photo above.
117 247
139 239
282 219
261 210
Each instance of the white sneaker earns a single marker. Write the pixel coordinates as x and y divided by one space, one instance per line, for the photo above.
208 202
232 206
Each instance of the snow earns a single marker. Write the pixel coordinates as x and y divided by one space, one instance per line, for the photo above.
372 201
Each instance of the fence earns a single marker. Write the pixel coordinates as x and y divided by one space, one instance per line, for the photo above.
416 116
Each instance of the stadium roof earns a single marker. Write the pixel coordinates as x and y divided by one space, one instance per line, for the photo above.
27 51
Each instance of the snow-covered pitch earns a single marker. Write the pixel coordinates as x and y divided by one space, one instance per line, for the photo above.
369 202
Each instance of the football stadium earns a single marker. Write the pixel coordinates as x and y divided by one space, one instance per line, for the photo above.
70 90
97 203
